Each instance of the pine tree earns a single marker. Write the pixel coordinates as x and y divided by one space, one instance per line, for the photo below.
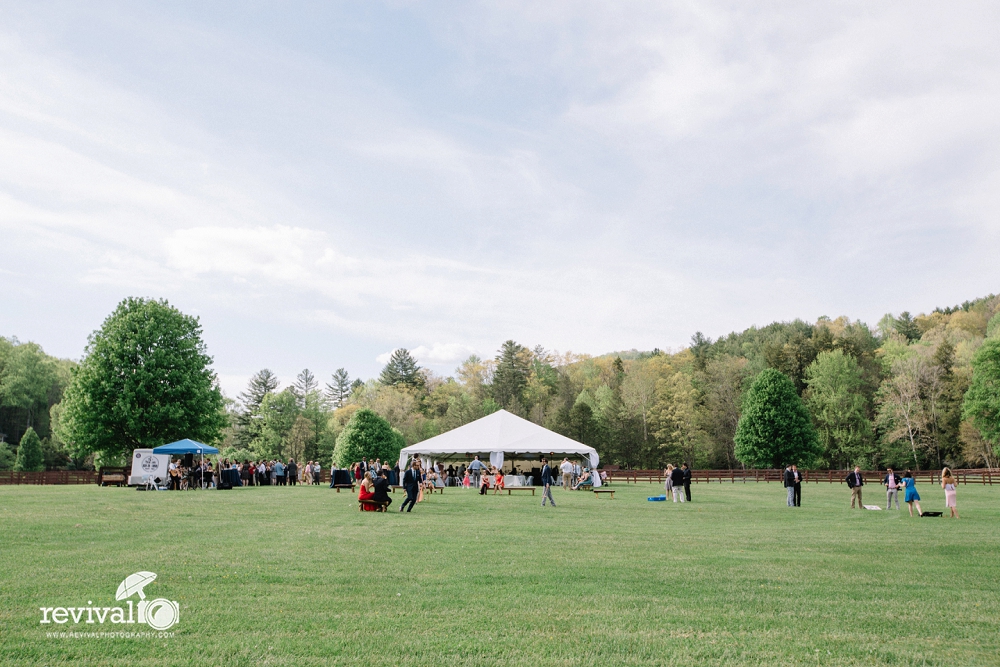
261 384
510 377
29 453
305 385
402 369
339 391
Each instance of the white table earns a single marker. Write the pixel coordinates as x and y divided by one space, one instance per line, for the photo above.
515 480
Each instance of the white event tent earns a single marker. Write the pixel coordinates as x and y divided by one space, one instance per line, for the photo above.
498 436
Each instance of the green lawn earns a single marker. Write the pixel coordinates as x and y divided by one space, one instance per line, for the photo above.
297 576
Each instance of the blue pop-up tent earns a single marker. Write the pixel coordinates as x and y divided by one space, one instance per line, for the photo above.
185 446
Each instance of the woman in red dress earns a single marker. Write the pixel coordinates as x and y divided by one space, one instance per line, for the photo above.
367 492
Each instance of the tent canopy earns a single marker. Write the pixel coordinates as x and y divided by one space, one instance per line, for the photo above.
500 432
185 446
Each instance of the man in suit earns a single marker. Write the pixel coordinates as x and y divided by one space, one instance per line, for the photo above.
687 481
547 483
381 494
855 481
798 485
789 482
891 483
292 472
411 483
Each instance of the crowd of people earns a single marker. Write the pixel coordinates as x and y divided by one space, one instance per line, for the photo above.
892 482
423 477
201 474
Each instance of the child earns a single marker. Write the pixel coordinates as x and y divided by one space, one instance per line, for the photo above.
466 482
484 485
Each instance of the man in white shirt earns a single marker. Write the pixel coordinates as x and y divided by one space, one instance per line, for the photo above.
567 473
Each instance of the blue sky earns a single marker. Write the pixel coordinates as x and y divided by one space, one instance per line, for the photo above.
324 182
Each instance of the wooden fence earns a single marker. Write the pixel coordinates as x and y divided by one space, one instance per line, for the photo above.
50 477
985 476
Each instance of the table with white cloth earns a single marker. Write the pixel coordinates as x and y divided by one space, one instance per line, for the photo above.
515 480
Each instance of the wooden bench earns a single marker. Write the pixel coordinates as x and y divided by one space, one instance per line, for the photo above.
112 478
511 489
343 486
379 505
597 492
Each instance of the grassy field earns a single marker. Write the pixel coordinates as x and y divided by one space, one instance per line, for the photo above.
297 576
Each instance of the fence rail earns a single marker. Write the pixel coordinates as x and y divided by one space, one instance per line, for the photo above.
985 476
49 477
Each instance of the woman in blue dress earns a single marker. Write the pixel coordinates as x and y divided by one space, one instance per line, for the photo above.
912 497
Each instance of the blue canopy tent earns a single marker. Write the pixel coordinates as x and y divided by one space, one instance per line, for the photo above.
186 446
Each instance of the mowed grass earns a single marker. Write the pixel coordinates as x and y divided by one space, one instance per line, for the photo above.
297 576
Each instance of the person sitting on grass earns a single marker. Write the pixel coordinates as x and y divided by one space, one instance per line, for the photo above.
497 482
367 492
912 497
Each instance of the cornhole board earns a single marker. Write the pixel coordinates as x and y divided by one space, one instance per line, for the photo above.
871 507
656 498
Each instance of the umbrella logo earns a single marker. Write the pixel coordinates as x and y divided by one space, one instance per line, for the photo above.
159 614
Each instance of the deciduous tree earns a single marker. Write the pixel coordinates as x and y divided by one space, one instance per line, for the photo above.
775 428
146 379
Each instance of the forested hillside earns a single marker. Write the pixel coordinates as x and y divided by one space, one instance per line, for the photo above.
897 394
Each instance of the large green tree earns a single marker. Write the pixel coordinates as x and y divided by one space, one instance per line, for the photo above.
982 400
367 436
29 453
775 428
837 402
146 379
248 417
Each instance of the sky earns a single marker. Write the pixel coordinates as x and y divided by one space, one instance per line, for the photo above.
321 183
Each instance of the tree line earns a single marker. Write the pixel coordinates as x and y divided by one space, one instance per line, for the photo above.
919 392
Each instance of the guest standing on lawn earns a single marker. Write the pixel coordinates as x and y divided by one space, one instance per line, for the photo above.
668 486
567 474
855 480
547 483
797 485
788 480
475 469
949 484
891 484
677 483
687 481
912 497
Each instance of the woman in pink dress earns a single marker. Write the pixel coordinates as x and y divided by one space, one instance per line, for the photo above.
949 484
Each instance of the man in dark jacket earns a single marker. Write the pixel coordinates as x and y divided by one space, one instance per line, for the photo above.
677 482
547 483
292 472
789 482
411 483
687 481
855 480
381 494
797 485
